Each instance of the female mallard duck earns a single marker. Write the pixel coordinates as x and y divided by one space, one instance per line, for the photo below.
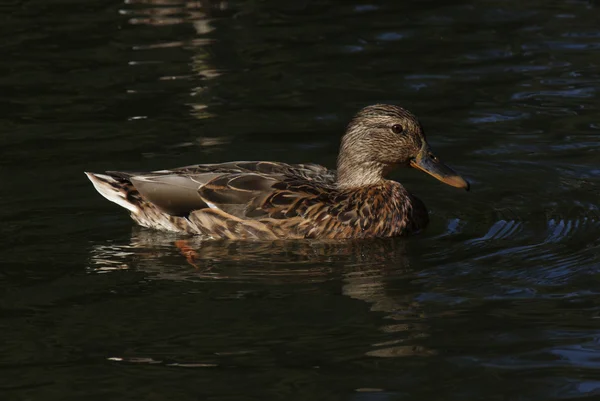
269 200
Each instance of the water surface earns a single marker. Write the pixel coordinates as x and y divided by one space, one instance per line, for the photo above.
497 300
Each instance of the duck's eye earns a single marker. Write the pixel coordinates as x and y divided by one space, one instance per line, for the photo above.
397 128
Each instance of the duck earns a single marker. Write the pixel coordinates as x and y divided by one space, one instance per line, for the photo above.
264 200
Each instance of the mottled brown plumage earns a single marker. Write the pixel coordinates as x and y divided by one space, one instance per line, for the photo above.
269 200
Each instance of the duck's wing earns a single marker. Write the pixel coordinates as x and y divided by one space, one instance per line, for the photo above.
235 188
254 206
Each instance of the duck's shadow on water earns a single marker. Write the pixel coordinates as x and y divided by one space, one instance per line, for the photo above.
370 271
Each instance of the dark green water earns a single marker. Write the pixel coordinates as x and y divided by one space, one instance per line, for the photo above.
497 300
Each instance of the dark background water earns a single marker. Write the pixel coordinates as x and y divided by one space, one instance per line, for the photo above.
497 300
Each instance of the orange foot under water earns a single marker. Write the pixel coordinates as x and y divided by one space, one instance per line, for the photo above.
190 254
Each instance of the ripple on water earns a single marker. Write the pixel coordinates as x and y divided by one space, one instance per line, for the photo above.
506 115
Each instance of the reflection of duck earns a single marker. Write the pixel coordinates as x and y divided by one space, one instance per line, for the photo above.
379 272
152 248
267 200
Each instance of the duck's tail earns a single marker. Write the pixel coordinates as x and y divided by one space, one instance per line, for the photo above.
117 188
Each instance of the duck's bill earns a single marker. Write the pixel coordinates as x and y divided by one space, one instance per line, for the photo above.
430 164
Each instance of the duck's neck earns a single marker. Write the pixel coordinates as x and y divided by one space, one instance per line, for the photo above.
352 173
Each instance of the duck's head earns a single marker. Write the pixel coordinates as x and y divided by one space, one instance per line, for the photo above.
382 137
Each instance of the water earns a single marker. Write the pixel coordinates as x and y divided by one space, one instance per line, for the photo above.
497 300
